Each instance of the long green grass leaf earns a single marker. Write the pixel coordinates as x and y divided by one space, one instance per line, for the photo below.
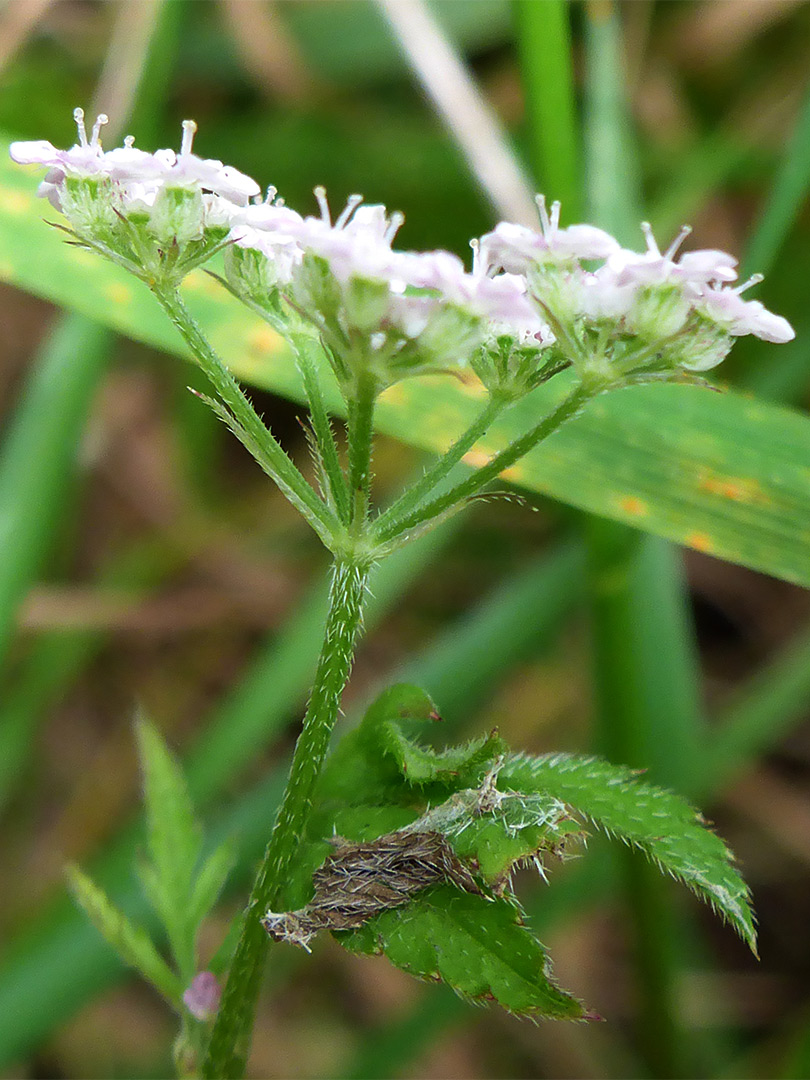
785 200
38 458
544 45
720 473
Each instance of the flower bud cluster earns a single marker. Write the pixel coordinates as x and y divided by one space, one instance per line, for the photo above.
534 302
383 314
159 214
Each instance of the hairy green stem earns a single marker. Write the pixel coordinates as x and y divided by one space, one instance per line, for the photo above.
230 1039
413 496
570 407
249 426
304 348
360 436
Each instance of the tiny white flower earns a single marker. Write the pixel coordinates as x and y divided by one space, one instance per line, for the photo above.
86 158
602 298
516 248
652 267
738 317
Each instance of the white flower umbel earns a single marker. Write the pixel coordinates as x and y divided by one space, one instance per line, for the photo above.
159 214
382 314
639 313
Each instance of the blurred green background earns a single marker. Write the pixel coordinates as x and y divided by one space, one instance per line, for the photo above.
146 561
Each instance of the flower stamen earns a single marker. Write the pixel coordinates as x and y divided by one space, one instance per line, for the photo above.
394 225
101 120
352 203
323 205
78 116
676 243
753 280
652 246
189 131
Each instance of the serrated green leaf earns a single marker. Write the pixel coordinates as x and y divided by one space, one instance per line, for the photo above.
174 840
131 942
456 764
478 947
497 845
392 724
210 882
662 825
719 473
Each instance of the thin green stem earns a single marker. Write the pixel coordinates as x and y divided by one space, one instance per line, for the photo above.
304 346
413 496
230 1039
570 407
248 426
360 435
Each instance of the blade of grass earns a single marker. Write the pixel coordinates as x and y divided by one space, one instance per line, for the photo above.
636 667
760 714
787 195
718 472
38 459
518 620
544 49
787 381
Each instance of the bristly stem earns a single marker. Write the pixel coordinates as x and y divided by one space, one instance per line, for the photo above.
304 347
410 499
570 407
260 441
360 436
230 1039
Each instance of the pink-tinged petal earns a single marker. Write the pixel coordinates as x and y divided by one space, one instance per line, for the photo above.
235 185
709 265
372 220
126 163
739 317
270 218
50 192
584 242
38 152
763 324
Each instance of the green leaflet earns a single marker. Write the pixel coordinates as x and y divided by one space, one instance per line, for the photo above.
391 725
662 825
174 841
131 942
478 947
515 809
181 889
720 473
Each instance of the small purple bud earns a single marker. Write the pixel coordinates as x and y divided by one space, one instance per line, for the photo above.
202 997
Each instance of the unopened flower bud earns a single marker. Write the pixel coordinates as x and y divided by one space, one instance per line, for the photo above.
202 997
177 216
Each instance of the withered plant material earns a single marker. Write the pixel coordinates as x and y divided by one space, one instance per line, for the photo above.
360 881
